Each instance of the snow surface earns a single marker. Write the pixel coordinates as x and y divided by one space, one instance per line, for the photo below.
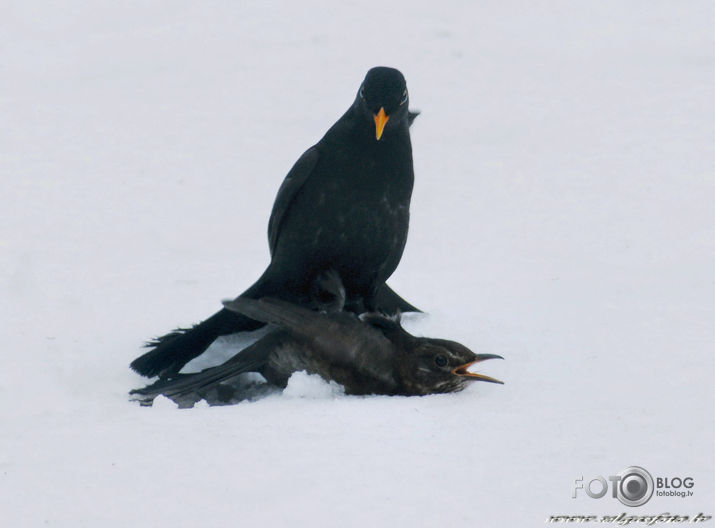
562 217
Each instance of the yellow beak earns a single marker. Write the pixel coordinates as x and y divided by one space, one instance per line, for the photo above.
380 122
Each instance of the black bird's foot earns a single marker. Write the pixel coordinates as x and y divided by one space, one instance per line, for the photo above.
327 292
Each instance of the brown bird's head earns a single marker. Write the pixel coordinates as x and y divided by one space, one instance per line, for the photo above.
428 366
382 100
438 365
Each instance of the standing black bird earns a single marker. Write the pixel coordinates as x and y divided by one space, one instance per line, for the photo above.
371 354
344 205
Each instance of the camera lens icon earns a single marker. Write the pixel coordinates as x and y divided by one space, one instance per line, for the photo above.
635 487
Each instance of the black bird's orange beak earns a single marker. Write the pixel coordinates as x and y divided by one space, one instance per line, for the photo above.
462 370
380 121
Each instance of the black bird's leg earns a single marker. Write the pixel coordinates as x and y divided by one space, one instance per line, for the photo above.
370 300
327 292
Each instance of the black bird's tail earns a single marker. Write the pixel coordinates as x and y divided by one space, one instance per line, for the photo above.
172 351
189 388
390 303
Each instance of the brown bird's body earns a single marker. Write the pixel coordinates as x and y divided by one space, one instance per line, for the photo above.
371 354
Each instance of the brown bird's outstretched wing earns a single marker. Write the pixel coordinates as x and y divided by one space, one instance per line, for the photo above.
299 320
187 389
335 340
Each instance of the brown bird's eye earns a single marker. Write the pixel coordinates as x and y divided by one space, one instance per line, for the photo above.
362 92
440 360
404 97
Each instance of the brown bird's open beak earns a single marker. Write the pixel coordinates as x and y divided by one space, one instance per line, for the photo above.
380 122
462 370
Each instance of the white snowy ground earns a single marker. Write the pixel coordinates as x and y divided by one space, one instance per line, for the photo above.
562 217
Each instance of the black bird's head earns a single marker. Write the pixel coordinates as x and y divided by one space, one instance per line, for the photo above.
383 99
429 366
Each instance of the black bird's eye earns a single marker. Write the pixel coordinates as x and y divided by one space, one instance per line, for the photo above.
440 360
362 92
404 97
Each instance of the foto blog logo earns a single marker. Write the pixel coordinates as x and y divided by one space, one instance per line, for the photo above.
634 486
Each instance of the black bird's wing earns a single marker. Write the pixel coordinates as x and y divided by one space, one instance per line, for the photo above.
411 115
292 183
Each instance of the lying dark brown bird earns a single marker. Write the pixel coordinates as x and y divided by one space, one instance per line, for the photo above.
371 354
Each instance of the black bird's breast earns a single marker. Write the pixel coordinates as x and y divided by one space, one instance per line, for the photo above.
351 214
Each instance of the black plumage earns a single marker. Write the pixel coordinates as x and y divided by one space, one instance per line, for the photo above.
344 205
